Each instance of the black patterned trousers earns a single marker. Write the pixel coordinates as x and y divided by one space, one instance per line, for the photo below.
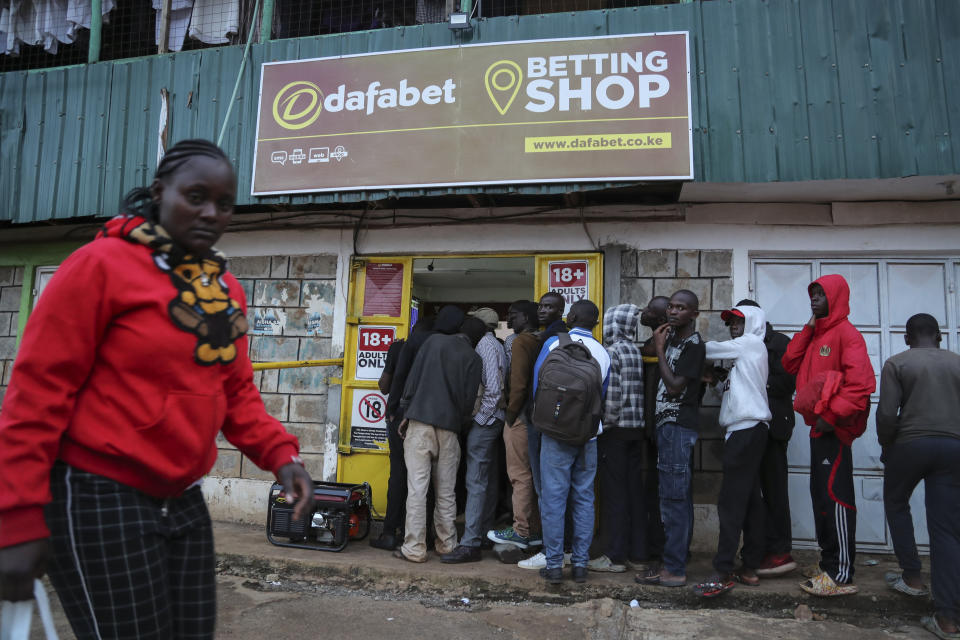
127 565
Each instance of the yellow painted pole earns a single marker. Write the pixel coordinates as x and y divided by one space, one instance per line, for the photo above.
330 362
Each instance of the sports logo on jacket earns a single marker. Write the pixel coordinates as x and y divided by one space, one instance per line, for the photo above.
825 351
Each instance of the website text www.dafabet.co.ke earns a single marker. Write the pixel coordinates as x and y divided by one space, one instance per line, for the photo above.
601 142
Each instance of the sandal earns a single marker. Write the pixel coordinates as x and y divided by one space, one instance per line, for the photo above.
715 586
746 576
930 624
823 585
896 582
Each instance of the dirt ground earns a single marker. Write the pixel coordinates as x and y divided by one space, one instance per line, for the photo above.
283 609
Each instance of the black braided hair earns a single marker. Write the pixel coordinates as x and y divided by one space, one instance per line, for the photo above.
139 201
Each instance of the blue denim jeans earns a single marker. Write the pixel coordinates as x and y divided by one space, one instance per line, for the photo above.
567 471
674 448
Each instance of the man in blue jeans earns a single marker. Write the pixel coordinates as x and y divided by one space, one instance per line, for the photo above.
567 472
680 355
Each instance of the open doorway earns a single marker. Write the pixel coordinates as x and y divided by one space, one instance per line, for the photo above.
471 283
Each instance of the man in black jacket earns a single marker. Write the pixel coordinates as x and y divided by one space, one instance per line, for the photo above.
397 481
447 322
773 467
438 402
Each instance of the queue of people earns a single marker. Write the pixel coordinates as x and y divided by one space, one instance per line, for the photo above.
640 447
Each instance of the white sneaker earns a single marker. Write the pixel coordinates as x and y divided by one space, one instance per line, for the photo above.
539 561
606 565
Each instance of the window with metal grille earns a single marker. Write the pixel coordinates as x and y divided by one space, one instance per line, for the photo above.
53 33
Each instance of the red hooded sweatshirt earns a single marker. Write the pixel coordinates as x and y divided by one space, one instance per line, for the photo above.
834 345
106 382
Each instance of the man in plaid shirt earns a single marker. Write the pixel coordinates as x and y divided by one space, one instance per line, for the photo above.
623 518
482 441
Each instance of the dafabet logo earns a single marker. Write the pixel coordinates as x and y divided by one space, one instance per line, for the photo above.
298 105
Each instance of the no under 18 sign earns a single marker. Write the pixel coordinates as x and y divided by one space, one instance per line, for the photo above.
372 346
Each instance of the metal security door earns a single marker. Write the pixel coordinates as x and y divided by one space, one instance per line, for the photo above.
884 293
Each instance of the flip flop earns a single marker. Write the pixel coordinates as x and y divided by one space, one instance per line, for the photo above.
714 587
930 624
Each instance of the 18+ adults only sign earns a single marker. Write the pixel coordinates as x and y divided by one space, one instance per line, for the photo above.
576 109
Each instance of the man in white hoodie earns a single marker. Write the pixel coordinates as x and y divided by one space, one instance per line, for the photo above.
745 418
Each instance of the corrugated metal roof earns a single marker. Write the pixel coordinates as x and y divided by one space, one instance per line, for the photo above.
783 90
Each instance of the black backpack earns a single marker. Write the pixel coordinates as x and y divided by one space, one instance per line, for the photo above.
568 403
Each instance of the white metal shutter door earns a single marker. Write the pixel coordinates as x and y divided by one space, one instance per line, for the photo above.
776 287
884 293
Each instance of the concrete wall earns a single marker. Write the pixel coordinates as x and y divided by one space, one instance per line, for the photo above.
291 309
645 273
11 279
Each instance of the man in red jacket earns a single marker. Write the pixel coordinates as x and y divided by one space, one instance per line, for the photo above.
834 383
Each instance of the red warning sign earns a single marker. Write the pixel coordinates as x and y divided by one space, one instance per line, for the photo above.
570 279
372 346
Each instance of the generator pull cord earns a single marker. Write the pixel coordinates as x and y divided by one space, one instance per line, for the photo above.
368 496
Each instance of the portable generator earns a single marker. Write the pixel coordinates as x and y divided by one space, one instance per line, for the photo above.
341 512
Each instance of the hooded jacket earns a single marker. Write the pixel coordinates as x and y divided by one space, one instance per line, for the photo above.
744 401
623 406
780 386
441 388
106 381
834 344
447 322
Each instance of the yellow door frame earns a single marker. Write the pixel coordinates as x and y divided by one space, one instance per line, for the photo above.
368 465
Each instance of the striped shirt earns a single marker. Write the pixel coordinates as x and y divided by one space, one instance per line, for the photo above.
494 370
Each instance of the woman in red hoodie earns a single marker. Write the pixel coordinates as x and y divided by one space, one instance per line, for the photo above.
133 360
834 383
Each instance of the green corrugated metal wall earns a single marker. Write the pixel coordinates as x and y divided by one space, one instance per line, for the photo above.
783 90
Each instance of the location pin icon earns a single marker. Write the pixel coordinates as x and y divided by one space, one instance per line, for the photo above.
502 80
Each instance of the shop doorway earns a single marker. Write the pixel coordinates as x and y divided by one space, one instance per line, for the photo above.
386 297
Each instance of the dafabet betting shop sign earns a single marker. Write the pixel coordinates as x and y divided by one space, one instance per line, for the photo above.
577 109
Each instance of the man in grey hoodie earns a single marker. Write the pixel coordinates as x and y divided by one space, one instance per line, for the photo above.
745 417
